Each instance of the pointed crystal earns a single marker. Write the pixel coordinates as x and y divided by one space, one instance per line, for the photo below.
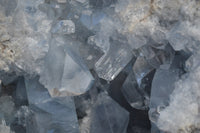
63 68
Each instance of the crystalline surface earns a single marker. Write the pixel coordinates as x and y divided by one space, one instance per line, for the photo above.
47 113
66 42
62 71
26 30
103 117
162 87
21 94
118 56
131 92
64 27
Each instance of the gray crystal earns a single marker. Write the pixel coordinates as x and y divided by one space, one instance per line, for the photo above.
49 114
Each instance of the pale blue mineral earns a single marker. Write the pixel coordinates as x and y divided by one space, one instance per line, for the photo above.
105 116
49 115
63 68
117 57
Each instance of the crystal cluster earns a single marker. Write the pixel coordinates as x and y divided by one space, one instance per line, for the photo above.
99 66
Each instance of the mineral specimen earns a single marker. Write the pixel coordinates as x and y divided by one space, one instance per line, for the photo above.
119 60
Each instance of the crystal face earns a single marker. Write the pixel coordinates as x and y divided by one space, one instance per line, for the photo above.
99 66
49 110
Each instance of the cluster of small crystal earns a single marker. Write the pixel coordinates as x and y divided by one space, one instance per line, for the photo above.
57 53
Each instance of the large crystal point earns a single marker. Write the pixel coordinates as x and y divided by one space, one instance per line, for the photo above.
65 73
49 115
111 64
106 116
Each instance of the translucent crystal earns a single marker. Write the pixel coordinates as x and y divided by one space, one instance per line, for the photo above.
49 114
141 68
110 65
91 19
185 102
132 92
25 37
63 68
162 87
104 117
90 53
